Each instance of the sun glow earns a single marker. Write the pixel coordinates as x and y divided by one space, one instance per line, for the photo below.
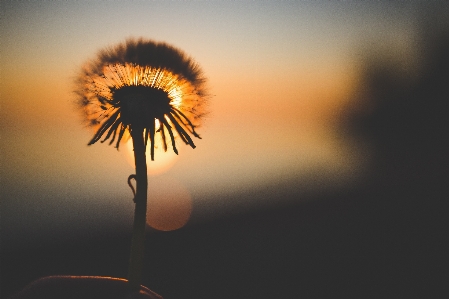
163 160
120 97
117 76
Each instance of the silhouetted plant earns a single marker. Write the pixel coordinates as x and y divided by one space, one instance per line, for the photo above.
138 89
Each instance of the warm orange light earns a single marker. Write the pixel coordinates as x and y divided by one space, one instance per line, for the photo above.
119 75
163 160
116 97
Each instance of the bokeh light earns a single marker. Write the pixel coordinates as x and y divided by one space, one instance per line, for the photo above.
169 204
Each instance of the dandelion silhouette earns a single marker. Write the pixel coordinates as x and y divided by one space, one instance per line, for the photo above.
138 89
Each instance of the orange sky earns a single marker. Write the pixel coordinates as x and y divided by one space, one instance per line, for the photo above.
278 75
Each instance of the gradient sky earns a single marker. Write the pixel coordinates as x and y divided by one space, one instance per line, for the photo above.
279 73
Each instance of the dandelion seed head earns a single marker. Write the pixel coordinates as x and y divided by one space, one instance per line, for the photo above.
142 85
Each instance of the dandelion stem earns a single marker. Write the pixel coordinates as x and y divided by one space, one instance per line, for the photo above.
138 238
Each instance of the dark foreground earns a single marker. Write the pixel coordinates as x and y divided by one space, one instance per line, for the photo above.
355 245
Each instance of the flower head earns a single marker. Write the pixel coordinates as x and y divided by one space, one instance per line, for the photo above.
142 86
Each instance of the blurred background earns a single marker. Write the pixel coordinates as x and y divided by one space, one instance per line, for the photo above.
322 169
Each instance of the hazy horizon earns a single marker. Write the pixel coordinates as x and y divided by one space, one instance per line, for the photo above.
278 73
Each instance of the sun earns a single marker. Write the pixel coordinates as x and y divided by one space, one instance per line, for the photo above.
163 162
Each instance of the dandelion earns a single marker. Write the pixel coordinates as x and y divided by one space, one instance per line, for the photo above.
139 89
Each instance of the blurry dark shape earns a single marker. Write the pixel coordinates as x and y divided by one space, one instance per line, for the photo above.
82 287
404 115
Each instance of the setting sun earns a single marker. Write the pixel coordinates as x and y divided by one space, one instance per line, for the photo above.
163 160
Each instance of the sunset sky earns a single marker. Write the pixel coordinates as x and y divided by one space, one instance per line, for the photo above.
278 73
